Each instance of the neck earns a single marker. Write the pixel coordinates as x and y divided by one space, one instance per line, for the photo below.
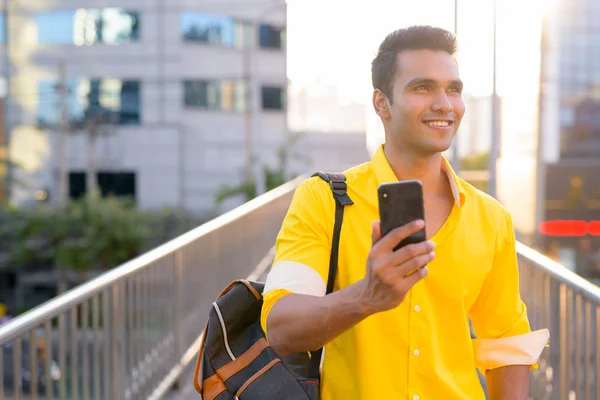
426 169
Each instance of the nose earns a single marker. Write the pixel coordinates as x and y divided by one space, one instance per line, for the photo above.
442 103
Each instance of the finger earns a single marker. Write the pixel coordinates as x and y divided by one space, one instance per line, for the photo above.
410 251
412 279
391 240
414 264
376 229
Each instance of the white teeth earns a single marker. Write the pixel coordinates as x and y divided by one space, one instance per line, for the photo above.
438 123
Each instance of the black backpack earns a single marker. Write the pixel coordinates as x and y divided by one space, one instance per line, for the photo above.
235 361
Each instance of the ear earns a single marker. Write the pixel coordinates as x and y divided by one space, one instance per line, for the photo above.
381 104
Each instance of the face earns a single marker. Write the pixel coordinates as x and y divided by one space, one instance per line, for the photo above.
427 104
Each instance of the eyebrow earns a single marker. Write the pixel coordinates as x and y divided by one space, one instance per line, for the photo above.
457 83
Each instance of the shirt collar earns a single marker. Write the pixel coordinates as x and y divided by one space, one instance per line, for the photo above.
385 174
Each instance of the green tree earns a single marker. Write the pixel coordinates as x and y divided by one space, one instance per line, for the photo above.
15 181
90 234
104 232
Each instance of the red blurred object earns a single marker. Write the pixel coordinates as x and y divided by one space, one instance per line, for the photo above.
594 228
570 228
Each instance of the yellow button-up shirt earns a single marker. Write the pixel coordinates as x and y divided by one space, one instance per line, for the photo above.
422 349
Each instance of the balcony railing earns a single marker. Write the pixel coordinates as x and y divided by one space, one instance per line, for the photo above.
130 333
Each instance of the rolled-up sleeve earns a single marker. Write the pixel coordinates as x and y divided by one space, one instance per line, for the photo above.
499 315
303 247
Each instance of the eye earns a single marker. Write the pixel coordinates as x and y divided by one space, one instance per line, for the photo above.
420 88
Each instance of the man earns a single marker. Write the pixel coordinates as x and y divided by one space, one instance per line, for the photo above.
388 335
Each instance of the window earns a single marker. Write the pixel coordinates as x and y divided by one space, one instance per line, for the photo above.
271 37
110 100
118 184
224 95
215 30
85 27
273 98
2 28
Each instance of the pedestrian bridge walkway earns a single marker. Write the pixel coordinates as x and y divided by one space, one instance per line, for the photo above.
133 333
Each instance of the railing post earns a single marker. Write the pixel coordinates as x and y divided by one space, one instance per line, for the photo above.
62 350
116 341
17 368
597 350
563 344
1 371
177 302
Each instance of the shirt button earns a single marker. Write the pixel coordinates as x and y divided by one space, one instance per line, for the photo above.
416 397
416 352
417 308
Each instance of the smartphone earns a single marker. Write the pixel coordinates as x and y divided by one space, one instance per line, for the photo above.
399 204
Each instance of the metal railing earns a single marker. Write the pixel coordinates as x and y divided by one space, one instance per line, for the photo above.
569 306
129 333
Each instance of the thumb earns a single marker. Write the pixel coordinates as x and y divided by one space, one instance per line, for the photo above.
376 235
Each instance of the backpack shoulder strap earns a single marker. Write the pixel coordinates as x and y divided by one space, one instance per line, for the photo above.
339 189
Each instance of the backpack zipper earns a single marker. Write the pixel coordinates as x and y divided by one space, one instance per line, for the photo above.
218 310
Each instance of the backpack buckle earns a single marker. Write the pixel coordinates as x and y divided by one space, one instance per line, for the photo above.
338 187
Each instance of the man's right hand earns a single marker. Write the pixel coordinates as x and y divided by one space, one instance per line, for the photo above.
387 280
302 322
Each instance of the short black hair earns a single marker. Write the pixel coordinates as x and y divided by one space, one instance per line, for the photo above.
420 37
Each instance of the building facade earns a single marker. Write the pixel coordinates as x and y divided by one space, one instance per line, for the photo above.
165 100
569 213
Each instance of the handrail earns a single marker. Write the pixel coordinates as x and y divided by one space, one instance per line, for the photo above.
129 332
179 276
56 306
569 306
560 272
191 353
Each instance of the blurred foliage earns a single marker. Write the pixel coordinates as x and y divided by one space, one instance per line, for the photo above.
475 162
169 223
16 181
86 234
247 190
273 176
98 233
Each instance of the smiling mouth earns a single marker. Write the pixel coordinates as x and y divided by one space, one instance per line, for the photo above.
438 123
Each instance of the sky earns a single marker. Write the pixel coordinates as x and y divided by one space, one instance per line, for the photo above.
335 40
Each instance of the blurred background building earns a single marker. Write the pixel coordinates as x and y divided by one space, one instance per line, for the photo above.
165 101
550 160
171 102
157 121
569 213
